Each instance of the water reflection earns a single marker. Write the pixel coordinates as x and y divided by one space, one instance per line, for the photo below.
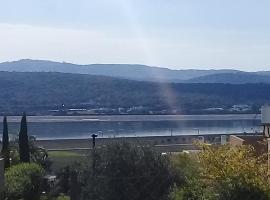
50 130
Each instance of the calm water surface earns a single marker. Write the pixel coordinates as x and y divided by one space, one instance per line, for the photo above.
81 127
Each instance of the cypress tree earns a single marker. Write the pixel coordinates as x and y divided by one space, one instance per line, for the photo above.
23 141
5 143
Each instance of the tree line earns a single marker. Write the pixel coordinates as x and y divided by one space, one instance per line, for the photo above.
122 171
39 91
24 152
24 164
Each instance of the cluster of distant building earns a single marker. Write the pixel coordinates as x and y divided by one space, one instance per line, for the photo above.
240 108
235 108
104 111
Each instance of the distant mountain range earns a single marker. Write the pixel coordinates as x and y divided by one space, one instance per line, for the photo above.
232 78
140 72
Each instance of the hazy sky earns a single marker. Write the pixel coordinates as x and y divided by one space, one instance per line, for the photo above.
170 33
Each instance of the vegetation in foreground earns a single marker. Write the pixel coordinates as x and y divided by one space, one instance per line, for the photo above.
223 173
24 181
61 159
123 171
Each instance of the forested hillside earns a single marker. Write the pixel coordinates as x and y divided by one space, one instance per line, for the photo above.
30 91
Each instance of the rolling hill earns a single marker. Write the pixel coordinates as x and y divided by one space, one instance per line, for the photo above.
128 71
31 91
232 78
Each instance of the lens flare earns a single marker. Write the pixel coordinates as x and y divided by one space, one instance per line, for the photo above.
166 92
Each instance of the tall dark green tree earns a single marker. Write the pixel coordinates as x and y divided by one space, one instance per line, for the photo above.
23 141
124 171
5 143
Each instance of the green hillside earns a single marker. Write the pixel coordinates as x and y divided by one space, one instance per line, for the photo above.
40 90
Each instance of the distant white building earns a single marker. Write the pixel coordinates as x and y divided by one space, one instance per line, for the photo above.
240 108
214 109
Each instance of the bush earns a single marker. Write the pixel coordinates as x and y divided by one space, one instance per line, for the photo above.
193 187
62 197
240 191
230 170
123 171
24 181
222 173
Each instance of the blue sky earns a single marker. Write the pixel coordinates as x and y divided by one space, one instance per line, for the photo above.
178 34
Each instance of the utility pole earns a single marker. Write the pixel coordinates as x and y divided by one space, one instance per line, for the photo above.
94 161
94 152
94 140
198 130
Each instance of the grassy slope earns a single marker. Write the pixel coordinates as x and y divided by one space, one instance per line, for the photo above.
61 159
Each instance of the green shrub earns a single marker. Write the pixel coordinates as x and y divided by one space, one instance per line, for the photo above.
124 171
24 181
63 197
222 173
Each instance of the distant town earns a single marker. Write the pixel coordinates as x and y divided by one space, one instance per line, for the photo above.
142 110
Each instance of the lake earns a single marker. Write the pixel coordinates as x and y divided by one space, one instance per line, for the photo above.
65 127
